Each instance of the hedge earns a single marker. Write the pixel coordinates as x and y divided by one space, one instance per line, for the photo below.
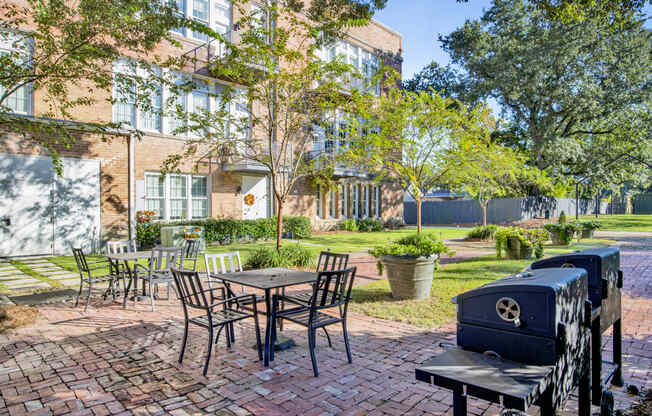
226 231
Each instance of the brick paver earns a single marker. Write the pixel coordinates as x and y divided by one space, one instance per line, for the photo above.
115 361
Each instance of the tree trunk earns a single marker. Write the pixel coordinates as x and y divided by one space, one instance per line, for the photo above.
418 215
279 225
597 205
577 201
484 213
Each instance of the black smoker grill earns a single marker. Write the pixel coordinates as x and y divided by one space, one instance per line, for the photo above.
522 340
605 282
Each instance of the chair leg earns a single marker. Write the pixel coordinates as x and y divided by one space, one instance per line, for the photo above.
272 341
210 349
219 331
88 299
183 343
151 297
228 338
346 342
311 345
81 286
330 344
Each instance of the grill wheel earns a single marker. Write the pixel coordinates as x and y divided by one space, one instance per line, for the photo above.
508 309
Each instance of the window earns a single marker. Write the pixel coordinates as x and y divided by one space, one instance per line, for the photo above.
217 17
199 197
343 201
177 197
20 48
320 214
155 195
365 201
356 201
178 107
200 12
365 62
331 203
151 119
124 94
181 7
377 201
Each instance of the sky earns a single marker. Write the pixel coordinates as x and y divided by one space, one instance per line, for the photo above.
421 21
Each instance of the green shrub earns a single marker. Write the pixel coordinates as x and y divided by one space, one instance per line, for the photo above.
565 231
148 234
350 225
414 245
294 255
297 227
562 218
588 225
394 223
483 233
370 225
529 239
228 230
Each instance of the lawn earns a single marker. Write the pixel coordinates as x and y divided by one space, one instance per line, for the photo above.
375 299
621 222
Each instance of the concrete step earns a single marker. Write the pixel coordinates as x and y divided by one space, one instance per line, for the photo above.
13 277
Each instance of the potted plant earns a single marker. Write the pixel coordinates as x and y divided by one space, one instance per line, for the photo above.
519 243
560 234
410 263
537 237
587 228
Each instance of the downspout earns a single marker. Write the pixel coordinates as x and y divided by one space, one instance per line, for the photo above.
132 188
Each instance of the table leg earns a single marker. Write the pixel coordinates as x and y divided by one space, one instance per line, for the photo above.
459 401
268 326
127 272
617 379
596 361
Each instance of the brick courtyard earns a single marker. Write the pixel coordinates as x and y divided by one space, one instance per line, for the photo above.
115 361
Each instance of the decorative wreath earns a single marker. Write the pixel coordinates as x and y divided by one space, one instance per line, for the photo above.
249 199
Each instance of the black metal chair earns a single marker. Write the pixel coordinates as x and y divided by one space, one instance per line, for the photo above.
220 311
86 270
331 292
327 262
191 253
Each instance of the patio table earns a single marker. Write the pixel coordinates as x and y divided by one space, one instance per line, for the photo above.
125 258
266 280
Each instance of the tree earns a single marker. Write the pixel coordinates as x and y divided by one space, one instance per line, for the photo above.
446 80
557 81
289 90
495 171
68 59
415 138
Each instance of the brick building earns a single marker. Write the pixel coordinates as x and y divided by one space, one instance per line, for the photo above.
106 182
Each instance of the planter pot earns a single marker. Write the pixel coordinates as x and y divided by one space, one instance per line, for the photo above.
557 240
526 252
409 277
513 250
587 233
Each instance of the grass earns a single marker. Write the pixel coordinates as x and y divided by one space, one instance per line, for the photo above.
32 273
628 222
375 299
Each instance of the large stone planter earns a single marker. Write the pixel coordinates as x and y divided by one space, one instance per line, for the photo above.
409 277
555 237
176 236
587 233
516 250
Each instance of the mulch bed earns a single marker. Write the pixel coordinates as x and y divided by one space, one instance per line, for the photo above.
17 316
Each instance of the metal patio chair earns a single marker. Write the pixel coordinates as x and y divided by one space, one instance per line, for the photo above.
191 253
86 276
221 263
161 261
117 247
331 292
328 262
220 311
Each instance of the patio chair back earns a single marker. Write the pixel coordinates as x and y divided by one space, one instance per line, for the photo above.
80 259
227 262
190 289
332 261
191 251
124 246
332 289
165 258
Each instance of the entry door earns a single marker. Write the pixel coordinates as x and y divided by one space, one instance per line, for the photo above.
77 206
255 199
26 190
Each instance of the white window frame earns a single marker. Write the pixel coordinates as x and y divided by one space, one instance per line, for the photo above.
366 62
11 43
199 198
377 201
219 25
366 201
332 213
189 198
320 205
356 201
160 198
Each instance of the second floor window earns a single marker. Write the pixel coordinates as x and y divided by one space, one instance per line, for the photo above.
215 14
19 48
365 62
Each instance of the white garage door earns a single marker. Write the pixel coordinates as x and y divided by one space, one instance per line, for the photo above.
41 213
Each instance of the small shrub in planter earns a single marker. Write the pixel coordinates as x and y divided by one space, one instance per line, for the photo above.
410 263
519 243
585 229
562 218
483 233
560 234
350 225
370 225
293 255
